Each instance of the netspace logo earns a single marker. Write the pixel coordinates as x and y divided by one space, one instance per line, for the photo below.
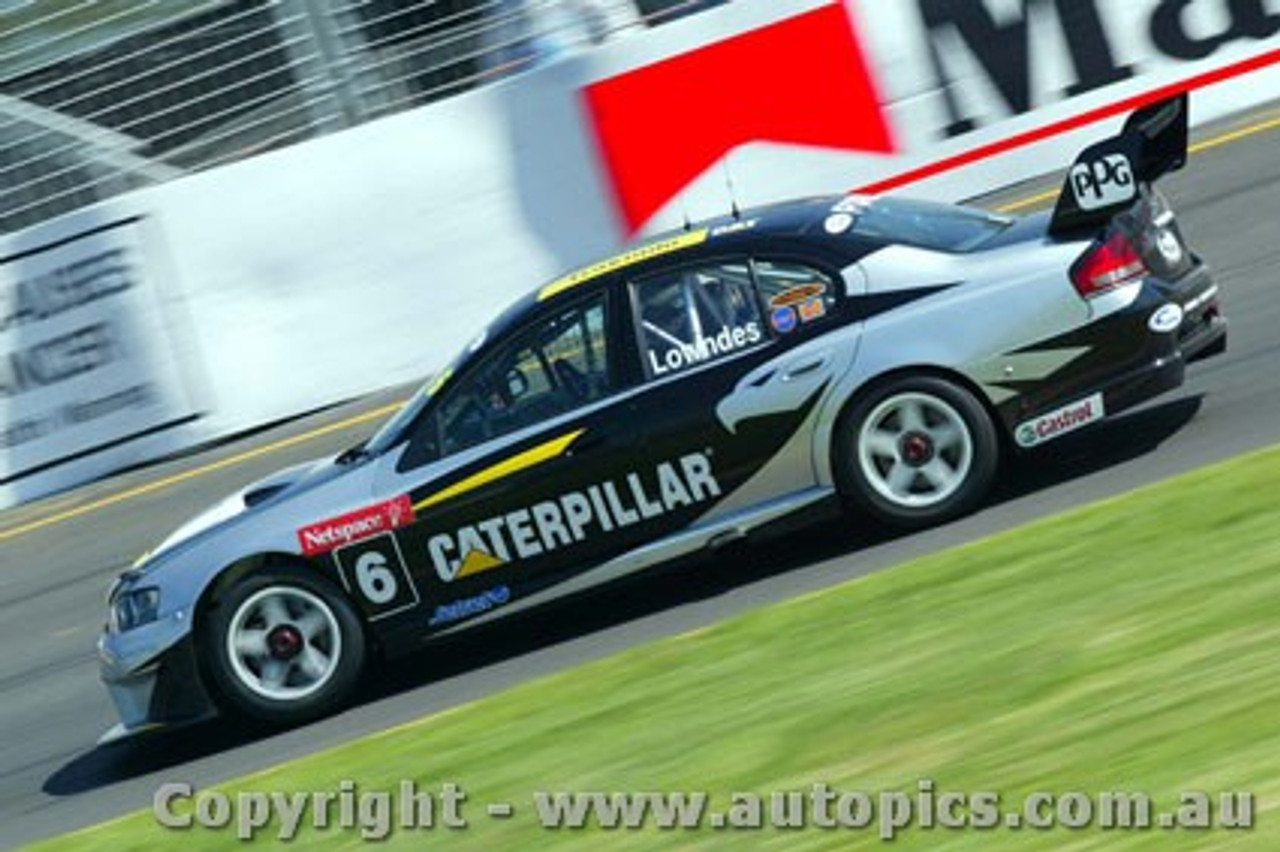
1064 420
323 536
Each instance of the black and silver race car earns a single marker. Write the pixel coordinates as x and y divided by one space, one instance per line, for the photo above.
872 354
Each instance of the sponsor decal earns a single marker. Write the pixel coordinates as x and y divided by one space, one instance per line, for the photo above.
734 228
1166 319
645 252
521 461
812 310
729 93
783 320
573 517
1103 182
729 339
1064 420
1170 247
838 223
467 607
795 295
323 536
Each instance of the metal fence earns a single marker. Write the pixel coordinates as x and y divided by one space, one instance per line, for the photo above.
101 96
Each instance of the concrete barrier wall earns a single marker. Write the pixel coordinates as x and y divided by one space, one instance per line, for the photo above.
309 275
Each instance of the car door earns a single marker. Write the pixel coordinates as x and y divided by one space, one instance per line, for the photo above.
517 473
735 356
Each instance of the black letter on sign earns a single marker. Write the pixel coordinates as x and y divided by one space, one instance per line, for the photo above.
1003 50
1090 49
1248 20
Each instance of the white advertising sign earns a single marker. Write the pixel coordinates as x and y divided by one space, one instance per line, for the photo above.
85 366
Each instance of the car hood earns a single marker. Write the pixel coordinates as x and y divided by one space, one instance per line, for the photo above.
291 480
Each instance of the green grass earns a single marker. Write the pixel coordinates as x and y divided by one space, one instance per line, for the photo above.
1132 645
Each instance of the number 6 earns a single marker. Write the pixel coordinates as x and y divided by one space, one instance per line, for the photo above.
376 581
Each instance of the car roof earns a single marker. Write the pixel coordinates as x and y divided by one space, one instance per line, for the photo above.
731 231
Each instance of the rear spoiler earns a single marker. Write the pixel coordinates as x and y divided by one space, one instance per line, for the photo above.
1105 179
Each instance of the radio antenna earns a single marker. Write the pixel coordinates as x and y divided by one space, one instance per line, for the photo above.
733 193
684 212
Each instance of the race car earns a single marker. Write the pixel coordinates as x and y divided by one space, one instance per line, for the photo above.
876 356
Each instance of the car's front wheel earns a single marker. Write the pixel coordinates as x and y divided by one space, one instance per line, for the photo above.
282 647
916 451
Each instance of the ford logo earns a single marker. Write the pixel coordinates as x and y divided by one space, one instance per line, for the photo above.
1165 320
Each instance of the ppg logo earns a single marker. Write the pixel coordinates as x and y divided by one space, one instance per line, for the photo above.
1103 182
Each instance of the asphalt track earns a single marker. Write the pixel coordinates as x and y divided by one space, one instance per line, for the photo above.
57 556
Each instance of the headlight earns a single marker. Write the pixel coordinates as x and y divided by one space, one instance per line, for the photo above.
134 608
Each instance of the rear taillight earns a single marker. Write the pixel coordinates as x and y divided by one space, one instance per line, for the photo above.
1107 266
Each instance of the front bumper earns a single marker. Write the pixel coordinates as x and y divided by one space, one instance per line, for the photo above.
153 676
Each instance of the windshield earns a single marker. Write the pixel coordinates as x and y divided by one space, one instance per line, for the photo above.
393 428
925 224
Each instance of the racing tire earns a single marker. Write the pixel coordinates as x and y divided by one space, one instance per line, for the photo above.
282 647
916 452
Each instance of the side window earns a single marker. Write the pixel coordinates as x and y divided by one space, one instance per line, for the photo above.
550 368
696 315
794 294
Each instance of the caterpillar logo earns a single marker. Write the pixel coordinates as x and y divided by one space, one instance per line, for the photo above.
573 517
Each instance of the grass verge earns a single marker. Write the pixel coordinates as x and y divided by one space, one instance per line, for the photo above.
1130 645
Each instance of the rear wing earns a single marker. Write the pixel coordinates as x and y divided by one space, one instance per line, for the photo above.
1106 178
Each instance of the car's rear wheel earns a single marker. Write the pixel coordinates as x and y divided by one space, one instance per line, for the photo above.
282 647
917 451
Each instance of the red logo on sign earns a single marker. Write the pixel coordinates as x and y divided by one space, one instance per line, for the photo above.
335 532
802 81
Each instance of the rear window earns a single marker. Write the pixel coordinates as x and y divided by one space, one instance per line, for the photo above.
924 224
